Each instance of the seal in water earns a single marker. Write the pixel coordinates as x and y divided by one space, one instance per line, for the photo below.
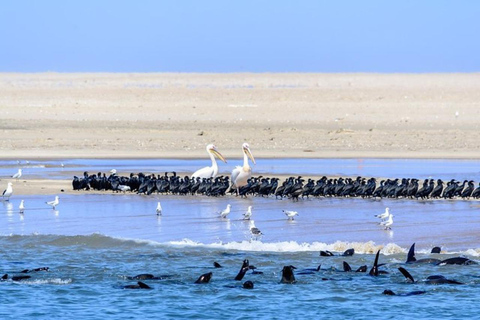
204 278
35 270
411 257
287 274
248 285
457 260
217 265
436 279
413 293
139 285
346 253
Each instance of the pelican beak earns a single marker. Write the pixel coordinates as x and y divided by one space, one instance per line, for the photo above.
218 155
249 154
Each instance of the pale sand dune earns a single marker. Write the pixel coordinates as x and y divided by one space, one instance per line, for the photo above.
52 115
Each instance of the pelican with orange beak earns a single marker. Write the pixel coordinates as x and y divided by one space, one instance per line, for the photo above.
210 172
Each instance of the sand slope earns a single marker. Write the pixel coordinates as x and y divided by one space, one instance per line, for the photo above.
281 115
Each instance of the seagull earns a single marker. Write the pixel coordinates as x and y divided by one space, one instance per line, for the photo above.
248 214
21 207
255 232
53 203
124 188
290 214
387 223
225 212
383 215
159 209
18 174
8 192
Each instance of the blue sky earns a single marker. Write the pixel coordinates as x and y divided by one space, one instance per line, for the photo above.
239 36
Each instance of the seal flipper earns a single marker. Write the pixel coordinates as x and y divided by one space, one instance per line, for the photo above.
217 265
406 274
346 267
374 270
245 267
4 277
411 254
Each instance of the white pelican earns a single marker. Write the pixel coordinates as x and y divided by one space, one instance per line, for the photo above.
225 212
387 223
290 214
240 175
7 192
248 214
210 172
159 209
53 203
383 215
21 207
18 174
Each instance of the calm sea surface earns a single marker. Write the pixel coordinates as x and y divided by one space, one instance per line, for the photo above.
92 243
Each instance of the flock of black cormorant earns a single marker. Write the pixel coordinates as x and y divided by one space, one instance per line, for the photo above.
292 187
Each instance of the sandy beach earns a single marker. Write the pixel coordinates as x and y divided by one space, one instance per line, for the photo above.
62 115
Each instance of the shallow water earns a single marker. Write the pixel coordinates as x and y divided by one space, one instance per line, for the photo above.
91 242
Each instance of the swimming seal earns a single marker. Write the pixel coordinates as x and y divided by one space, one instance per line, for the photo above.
248 285
346 253
411 257
287 274
435 279
139 285
457 260
204 278
413 293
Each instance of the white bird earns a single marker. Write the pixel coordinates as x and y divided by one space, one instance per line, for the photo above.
240 175
53 203
290 214
383 215
18 174
124 188
248 214
387 223
113 172
8 192
225 212
210 172
254 231
159 209
21 207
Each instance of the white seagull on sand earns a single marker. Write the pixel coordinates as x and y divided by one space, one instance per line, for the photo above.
387 223
18 174
225 212
8 192
290 214
254 231
21 207
248 214
383 215
53 203
159 209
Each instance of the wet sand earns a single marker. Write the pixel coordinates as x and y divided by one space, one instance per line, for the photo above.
55 115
